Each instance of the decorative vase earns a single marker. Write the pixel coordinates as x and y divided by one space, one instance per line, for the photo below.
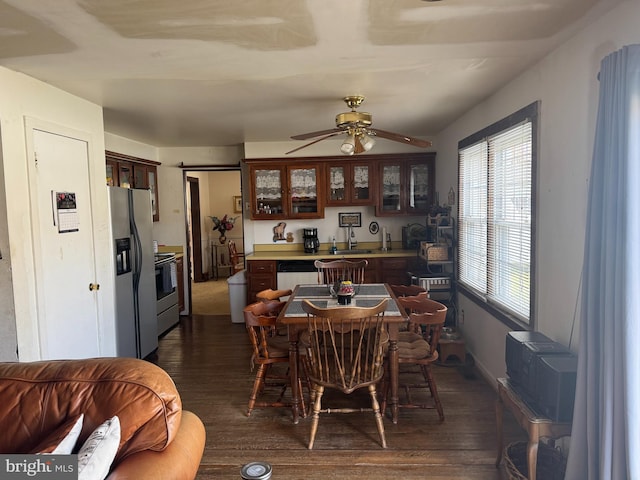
223 238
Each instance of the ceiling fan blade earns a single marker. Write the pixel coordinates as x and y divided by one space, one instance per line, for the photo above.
305 136
315 141
397 137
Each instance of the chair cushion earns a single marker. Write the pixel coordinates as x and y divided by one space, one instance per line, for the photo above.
278 346
416 349
409 337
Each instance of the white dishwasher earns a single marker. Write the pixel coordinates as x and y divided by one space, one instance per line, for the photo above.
295 272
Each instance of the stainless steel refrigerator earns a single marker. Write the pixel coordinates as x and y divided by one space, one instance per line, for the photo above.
135 290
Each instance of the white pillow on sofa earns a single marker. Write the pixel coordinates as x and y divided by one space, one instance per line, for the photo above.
97 453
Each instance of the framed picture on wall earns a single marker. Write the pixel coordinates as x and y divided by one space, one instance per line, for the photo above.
237 204
349 219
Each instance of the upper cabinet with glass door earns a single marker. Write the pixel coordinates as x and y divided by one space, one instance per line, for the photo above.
350 183
305 191
267 191
280 191
406 186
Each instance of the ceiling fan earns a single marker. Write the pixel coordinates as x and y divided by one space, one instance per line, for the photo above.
360 133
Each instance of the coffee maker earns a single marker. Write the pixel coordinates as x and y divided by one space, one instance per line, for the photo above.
311 242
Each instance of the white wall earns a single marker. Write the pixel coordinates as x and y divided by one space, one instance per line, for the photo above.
566 83
118 144
8 336
171 229
20 97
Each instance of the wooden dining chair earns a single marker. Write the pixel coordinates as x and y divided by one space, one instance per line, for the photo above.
341 270
411 331
344 351
269 348
420 349
270 294
236 259
408 290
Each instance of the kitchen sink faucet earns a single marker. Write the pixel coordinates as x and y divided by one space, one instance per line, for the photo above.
351 238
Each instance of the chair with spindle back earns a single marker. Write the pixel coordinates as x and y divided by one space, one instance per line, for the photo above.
236 259
270 294
344 351
341 270
411 332
408 290
421 350
269 349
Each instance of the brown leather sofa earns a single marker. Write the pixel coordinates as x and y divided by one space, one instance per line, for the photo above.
159 440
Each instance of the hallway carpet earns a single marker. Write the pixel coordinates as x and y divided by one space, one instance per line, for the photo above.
210 297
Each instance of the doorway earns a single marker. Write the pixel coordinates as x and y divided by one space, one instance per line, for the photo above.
211 192
194 224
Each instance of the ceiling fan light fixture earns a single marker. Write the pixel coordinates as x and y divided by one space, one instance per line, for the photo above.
348 147
360 133
367 142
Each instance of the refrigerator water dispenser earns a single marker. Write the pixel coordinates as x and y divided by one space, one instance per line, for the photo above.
123 255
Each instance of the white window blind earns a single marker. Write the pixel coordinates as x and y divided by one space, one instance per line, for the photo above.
473 217
495 221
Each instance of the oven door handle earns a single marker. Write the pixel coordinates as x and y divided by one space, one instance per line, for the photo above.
165 261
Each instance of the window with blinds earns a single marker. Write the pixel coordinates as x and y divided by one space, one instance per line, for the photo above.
495 217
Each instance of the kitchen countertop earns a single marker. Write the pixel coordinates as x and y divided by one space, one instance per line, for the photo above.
296 252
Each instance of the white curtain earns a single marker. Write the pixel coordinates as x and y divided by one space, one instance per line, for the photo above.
605 440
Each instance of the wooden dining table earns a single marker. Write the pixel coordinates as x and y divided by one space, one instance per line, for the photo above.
368 295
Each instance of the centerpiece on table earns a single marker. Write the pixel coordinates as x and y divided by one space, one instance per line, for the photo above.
223 225
345 292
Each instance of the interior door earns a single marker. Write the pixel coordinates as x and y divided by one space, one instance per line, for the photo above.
67 311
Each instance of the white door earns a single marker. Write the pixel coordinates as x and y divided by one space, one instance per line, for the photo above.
64 256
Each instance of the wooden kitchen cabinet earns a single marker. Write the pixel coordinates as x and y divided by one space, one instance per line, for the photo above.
406 185
261 274
125 175
133 172
281 190
372 272
145 176
397 184
394 270
112 173
350 183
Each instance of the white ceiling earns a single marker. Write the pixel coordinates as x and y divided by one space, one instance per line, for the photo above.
215 73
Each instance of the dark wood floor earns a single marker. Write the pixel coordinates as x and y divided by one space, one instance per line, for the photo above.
209 359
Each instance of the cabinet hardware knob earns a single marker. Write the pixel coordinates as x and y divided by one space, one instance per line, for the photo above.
94 286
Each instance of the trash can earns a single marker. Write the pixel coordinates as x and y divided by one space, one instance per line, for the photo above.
237 295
